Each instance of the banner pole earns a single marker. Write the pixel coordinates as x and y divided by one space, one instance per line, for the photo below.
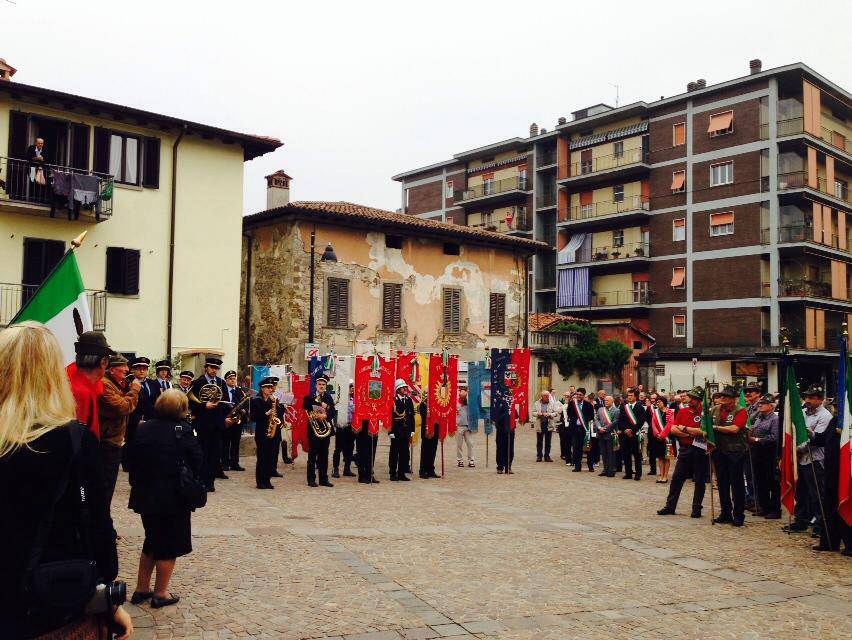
712 501
824 527
442 458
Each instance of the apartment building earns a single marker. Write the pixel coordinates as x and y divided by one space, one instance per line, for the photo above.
161 199
709 220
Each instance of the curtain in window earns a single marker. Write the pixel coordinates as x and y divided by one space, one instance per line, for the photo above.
115 156
568 254
572 289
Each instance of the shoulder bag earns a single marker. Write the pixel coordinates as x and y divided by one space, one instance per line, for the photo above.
192 492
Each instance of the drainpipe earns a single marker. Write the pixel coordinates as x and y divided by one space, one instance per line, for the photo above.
247 318
526 301
170 299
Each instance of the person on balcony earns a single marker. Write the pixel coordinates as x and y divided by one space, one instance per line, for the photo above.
35 158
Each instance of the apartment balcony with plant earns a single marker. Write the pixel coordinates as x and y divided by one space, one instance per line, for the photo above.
812 328
507 220
812 277
806 168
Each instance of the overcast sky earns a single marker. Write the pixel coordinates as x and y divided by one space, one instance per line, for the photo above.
359 91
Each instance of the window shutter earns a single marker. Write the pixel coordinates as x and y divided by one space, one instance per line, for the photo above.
338 303
497 314
101 160
344 303
391 306
452 310
447 310
33 261
131 271
17 135
332 303
151 170
80 146
114 270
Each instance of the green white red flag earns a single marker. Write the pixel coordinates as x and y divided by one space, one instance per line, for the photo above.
795 433
844 482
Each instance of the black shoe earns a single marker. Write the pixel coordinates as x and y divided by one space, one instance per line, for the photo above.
626 477
363 481
603 473
210 488
139 597
723 519
373 480
424 476
696 513
819 547
737 522
313 483
592 469
847 552
404 478
287 460
666 511
157 603
637 478
772 515
794 528
610 475
226 467
236 467
276 474
432 474
393 478
222 476
325 483
576 470
652 473
335 474
538 459
348 474
548 459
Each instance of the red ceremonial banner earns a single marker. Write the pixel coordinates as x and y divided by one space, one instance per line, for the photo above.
443 395
301 386
373 393
520 392
407 368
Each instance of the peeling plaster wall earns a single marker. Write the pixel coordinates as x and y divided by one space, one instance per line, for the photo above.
280 298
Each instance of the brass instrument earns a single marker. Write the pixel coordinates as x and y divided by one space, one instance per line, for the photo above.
207 393
318 422
237 415
274 420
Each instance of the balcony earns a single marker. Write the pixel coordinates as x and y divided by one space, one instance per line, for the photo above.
803 288
796 126
20 193
546 199
13 296
616 165
494 192
800 180
606 258
552 339
630 209
611 300
521 222
545 159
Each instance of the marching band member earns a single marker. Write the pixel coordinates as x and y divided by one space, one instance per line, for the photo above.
209 421
265 410
322 417
402 426
185 381
164 375
233 428
144 407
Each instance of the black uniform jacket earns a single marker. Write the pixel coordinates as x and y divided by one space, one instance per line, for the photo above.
624 420
205 419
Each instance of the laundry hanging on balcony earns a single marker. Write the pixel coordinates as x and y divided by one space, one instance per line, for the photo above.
568 253
572 288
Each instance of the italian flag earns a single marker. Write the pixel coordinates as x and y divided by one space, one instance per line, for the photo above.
844 484
795 433
60 304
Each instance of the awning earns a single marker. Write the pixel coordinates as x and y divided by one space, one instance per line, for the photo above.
678 180
680 222
720 122
717 219
678 276
680 134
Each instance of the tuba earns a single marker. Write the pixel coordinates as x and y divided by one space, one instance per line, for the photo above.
319 423
207 393
274 420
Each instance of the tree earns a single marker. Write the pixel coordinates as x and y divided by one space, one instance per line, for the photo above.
589 355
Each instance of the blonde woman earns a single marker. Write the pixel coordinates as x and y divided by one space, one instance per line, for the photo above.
38 429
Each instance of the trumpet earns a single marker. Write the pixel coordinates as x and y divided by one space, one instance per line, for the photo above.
274 420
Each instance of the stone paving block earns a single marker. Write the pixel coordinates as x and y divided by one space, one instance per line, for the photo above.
734 575
695 563
518 623
484 626
778 589
826 603
449 630
723 603
421 633
690 606
374 635
433 617
639 612
766 598
658 552
388 586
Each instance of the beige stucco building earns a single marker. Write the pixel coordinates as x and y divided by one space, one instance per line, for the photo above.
398 283
162 255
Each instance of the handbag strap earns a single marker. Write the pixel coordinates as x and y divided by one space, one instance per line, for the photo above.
75 432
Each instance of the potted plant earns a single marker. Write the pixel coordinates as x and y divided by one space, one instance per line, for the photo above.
639 251
616 253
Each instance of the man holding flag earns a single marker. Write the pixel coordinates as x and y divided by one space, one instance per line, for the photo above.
729 456
838 463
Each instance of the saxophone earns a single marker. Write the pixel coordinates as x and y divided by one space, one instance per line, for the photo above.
320 426
274 420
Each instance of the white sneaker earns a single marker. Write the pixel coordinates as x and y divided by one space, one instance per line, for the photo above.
461 464
471 464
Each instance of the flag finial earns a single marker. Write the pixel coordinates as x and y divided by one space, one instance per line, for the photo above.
844 329
78 241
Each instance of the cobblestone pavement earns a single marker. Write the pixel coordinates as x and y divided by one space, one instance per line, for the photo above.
543 553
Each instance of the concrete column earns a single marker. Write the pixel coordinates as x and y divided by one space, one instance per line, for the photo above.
774 216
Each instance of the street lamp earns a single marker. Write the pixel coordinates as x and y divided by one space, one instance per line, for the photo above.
327 256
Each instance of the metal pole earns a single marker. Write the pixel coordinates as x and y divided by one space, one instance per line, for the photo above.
311 289
712 501
819 498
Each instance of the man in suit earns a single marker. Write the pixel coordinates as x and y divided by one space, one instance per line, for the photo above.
148 395
428 445
164 375
209 421
233 427
630 421
402 426
36 157
580 417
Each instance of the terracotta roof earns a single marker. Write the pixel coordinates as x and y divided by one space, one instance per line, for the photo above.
544 321
357 214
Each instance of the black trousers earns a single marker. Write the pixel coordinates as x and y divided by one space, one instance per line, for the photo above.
607 453
366 454
110 461
428 451
231 446
766 481
631 454
344 445
564 443
542 441
317 457
691 464
398 456
505 443
267 453
730 478
210 439
809 488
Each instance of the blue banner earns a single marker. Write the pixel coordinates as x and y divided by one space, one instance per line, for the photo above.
315 368
479 395
258 373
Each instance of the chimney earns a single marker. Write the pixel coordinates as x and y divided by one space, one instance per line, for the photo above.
755 66
562 120
6 71
277 190
700 84
690 87
533 130
543 130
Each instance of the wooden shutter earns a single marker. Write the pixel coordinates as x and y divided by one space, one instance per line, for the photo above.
131 271
80 146
497 314
391 307
17 135
451 311
338 303
151 159
101 160
114 270
40 257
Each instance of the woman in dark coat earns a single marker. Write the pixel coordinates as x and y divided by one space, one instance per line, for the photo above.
154 458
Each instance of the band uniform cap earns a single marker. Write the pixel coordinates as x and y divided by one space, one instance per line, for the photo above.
269 381
728 392
322 377
213 362
767 399
815 391
92 343
140 361
399 384
163 364
752 388
187 374
117 360
230 373
696 392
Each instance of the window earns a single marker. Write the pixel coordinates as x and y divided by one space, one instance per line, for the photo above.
722 173
40 257
151 163
451 309
721 124
544 369
679 230
393 242
587 207
679 326
678 277
497 314
122 271
451 249
487 184
586 161
679 134
522 177
637 345
721 224
618 238
391 306
337 309
618 193
640 292
678 181
449 190
618 149
841 189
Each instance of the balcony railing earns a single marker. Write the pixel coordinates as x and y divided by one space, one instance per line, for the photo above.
552 339
493 187
797 339
18 184
13 297
594 209
545 158
805 233
610 253
800 288
619 298
605 163
794 126
799 180
519 222
546 199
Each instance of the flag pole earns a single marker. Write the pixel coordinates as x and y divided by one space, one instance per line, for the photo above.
487 438
819 498
442 458
785 344
710 464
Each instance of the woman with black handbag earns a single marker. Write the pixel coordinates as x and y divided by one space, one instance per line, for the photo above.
165 464
59 555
